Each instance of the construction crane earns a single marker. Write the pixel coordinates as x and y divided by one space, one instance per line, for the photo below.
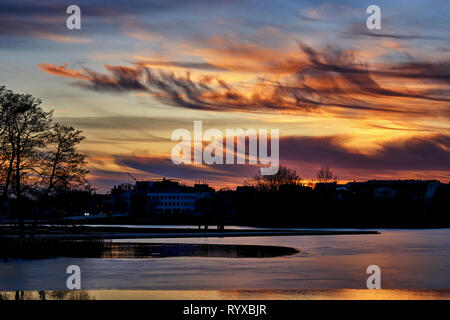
132 176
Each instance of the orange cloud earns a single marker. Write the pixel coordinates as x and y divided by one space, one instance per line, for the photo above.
59 38
63 71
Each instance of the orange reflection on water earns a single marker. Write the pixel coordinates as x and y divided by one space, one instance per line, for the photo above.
341 294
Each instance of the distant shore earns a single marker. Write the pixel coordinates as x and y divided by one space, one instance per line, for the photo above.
393 223
114 232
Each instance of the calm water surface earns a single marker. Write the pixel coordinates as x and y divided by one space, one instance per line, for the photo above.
409 259
332 294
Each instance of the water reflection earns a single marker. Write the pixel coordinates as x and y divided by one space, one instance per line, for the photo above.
164 250
409 259
343 294
47 295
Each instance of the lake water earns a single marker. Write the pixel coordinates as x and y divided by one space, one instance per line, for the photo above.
409 259
331 294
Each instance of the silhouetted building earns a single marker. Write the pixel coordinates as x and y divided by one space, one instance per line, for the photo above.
394 189
294 188
121 197
100 203
245 189
326 190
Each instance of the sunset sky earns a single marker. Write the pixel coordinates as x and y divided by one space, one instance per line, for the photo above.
371 104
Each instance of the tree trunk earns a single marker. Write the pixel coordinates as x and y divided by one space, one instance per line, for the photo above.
52 176
8 179
19 205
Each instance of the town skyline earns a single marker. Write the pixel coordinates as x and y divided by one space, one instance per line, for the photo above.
246 182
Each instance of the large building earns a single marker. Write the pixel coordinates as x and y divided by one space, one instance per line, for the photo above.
121 197
160 196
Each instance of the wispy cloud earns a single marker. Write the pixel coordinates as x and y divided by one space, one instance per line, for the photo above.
330 80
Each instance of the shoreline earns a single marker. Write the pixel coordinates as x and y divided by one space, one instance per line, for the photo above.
189 233
143 223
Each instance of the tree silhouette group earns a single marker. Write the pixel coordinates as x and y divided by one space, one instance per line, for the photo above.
38 157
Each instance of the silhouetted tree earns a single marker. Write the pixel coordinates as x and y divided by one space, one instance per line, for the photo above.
36 157
65 167
325 174
7 153
25 129
284 176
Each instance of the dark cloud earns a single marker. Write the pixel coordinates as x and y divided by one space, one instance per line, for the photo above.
359 79
157 166
428 153
123 79
439 71
21 22
126 122
338 62
25 18
426 156
374 34
182 64
92 8
395 28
